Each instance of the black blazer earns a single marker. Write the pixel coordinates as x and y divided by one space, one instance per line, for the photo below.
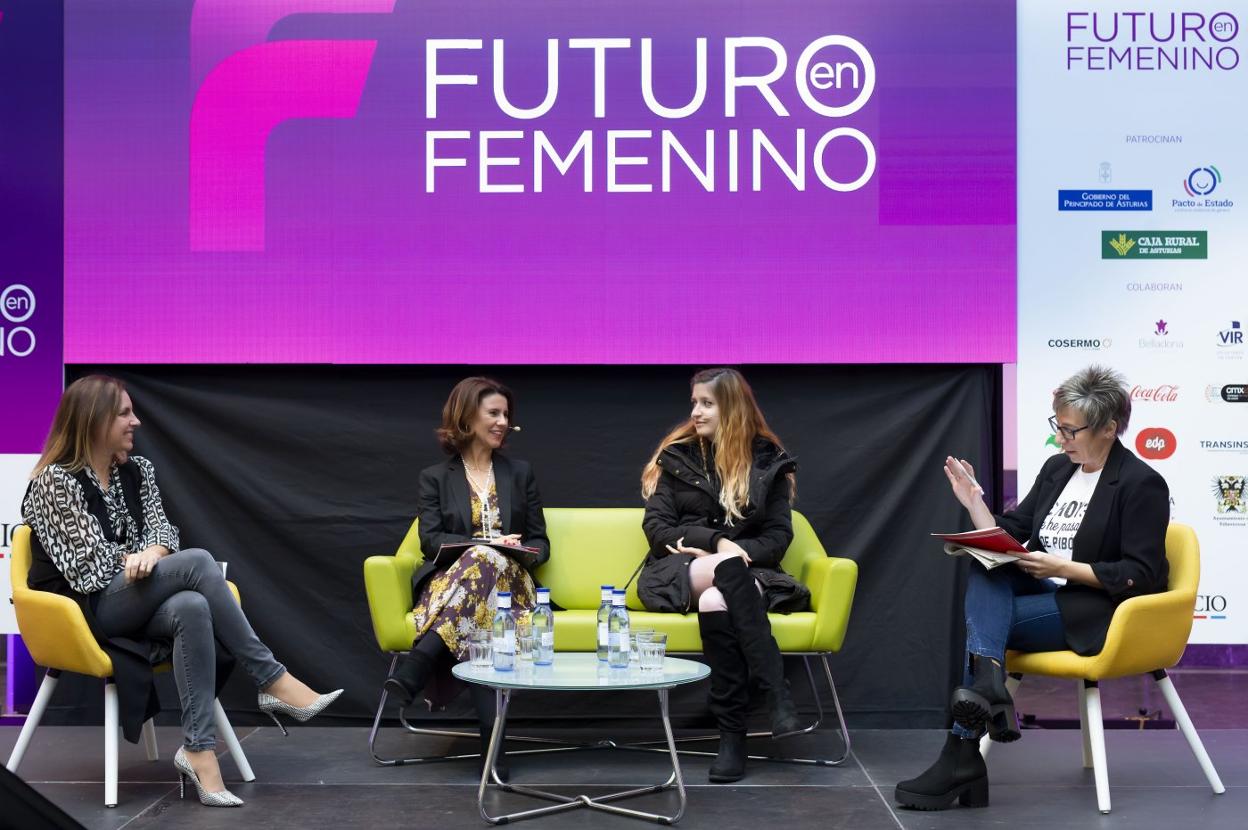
445 509
1122 536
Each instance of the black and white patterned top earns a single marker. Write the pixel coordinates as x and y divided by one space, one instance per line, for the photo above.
56 510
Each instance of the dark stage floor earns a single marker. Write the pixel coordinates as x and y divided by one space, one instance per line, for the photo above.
322 777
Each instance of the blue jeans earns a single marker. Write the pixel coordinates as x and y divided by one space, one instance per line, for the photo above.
1006 608
185 601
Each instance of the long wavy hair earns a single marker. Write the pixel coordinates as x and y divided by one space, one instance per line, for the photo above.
85 410
740 422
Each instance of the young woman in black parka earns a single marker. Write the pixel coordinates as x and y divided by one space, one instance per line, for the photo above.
718 519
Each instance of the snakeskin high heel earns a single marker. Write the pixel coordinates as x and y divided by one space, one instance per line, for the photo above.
271 706
225 798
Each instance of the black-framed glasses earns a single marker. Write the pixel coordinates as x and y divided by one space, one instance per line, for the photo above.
1067 433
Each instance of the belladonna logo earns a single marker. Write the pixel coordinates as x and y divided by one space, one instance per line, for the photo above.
246 88
1202 181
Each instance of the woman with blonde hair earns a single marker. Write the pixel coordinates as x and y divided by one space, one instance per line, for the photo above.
718 519
101 537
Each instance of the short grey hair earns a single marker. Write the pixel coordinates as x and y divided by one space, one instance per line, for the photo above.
1099 394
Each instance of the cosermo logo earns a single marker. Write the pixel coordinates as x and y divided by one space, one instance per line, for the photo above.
1155 443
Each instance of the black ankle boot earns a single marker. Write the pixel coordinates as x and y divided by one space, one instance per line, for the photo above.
753 630
729 763
959 774
416 671
986 704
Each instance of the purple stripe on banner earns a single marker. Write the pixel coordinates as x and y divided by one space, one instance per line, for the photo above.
31 209
1214 656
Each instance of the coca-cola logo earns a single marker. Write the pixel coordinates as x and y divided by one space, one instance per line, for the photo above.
1155 443
1166 393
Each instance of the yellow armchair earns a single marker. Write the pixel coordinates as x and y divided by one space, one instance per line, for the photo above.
58 638
1147 635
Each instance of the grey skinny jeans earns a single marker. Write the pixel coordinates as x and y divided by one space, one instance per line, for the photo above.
185 600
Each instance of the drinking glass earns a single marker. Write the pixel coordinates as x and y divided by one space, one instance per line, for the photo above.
479 653
652 649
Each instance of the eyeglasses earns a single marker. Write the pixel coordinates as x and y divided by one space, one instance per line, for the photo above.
1067 433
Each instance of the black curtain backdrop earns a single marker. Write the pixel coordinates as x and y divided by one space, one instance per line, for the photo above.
296 474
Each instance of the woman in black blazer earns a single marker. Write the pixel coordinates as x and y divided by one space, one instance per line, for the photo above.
477 493
1095 521
718 520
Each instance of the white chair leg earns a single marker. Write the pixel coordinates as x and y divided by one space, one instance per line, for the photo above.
1189 731
1083 725
32 720
149 740
1096 737
111 729
226 731
1012 682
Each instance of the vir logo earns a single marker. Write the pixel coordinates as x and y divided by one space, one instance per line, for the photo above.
1231 337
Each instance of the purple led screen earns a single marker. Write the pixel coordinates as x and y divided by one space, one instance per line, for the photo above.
343 181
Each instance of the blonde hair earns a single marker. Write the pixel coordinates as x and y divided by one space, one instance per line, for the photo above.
84 412
740 422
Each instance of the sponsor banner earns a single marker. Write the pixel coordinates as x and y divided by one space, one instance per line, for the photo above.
14 473
1104 200
1154 244
1150 105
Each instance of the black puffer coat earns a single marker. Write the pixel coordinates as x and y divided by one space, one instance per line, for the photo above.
685 505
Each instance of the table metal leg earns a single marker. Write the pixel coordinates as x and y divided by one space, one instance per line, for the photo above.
564 803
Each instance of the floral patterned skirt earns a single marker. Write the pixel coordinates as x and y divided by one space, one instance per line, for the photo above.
464 596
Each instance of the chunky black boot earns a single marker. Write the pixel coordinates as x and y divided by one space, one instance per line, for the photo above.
416 671
753 630
986 703
483 700
730 693
729 763
959 774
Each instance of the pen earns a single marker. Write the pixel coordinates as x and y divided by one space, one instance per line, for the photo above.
965 472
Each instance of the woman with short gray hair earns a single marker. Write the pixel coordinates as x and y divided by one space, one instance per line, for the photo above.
1095 525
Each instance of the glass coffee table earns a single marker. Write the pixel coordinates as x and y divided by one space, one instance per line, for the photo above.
580 672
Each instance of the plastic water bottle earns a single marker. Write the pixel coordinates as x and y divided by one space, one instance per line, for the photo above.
617 632
503 642
604 610
544 628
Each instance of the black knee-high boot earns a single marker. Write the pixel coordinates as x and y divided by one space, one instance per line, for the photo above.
416 671
483 700
730 693
753 630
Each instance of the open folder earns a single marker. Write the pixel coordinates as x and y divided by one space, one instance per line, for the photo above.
447 554
991 547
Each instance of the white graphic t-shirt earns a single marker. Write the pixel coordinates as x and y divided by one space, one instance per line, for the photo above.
1057 534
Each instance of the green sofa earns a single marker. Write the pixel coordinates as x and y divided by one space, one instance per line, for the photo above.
591 547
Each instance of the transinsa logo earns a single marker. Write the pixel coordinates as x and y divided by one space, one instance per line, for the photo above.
1137 41
1155 443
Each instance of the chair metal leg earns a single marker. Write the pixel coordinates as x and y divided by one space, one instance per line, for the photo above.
1189 731
111 733
1096 730
32 720
1084 733
226 730
149 740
